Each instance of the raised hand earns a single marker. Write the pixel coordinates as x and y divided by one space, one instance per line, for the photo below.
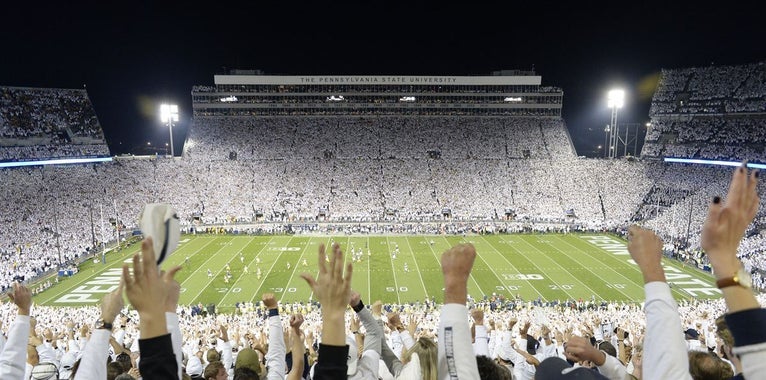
412 325
354 299
333 290
111 304
296 320
146 291
269 301
456 267
21 297
727 221
331 287
174 288
645 248
580 349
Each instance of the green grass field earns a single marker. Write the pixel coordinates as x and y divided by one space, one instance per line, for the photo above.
548 266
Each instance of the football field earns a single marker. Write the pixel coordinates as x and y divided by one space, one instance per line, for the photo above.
545 266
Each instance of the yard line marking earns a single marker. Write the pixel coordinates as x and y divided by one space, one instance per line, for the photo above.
210 281
393 271
297 264
509 263
635 268
469 275
111 266
594 292
266 275
241 276
542 271
369 274
417 267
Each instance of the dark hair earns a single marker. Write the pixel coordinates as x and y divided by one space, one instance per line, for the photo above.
124 360
488 369
608 348
113 370
245 374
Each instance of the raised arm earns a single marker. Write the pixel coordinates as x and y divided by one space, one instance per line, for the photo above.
455 354
296 347
93 362
275 357
147 292
332 288
664 344
171 318
722 232
14 354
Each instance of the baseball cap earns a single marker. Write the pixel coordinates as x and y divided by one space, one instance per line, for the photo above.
248 358
194 366
45 371
160 222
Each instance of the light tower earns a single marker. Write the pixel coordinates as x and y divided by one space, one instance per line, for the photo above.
168 115
615 101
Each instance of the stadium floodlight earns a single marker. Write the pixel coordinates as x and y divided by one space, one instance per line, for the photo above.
169 115
615 101
616 98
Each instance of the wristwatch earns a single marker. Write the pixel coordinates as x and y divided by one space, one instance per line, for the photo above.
102 324
741 278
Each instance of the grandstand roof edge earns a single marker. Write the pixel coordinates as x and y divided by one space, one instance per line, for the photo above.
375 79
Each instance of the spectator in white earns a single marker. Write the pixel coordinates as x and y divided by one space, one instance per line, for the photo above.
14 351
365 365
456 359
95 355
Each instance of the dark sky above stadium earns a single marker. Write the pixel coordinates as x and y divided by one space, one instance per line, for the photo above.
133 55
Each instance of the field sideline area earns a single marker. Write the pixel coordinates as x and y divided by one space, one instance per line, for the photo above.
546 266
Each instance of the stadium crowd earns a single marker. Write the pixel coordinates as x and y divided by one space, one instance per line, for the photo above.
158 339
381 175
44 122
709 112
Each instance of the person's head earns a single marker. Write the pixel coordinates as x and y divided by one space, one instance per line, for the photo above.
215 371
553 368
124 360
113 370
248 358
708 366
607 347
245 374
488 369
427 353
213 356
194 367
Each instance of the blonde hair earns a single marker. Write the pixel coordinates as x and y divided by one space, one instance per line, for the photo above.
427 353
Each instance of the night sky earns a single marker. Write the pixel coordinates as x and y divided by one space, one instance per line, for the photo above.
133 55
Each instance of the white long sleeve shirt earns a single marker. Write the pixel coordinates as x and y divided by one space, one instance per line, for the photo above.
13 358
456 359
171 321
93 362
664 345
275 357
